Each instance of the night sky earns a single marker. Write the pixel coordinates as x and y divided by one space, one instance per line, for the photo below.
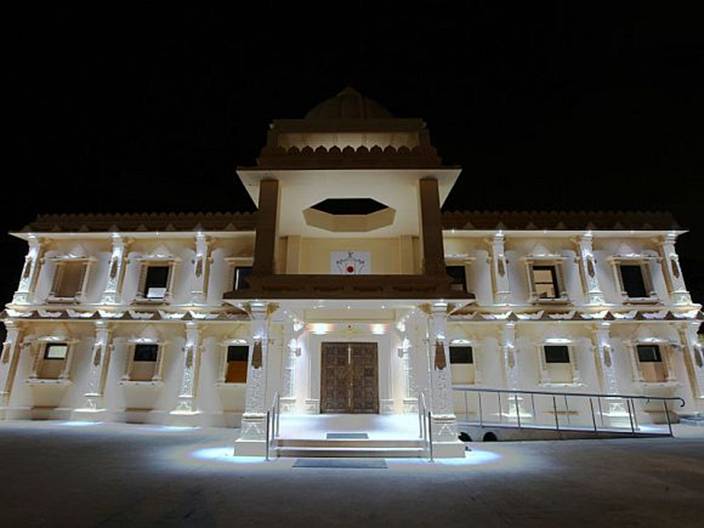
549 107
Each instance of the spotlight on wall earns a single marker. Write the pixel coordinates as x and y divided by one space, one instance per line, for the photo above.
378 329
320 328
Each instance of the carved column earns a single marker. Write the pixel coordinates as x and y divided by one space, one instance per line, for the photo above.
499 270
693 359
673 272
201 269
9 359
605 361
587 270
288 381
98 369
508 354
431 227
444 421
188 394
116 271
30 272
252 440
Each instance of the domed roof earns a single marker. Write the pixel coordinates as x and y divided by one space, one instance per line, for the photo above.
348 104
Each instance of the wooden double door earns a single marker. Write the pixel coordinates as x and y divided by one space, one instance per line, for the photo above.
349 378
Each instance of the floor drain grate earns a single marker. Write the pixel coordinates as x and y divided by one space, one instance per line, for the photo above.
340 463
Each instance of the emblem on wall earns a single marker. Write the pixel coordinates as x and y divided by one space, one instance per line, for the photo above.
350 263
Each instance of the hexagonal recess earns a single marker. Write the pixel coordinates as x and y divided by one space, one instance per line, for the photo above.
349 215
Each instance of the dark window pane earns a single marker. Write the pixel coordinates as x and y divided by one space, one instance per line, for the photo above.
237 353
242 274
461 355
649 354
156 281
458 276
545 281
557 354
146 352
56 351
633 282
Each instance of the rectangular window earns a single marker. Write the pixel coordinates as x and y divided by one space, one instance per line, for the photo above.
241 279
146 352
56 351
461 355
68 281
633 281
649 354
458 275
557 354
545 282
156 282
237 359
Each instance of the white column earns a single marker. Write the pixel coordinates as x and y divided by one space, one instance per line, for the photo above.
587 270
30 272
116 271
508 354
97 373
187 405
673 272
288 377
499 270
694 359
201 268
252 440
444 421
605 360
9 358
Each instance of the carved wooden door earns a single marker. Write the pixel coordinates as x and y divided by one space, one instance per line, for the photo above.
334 383
349 378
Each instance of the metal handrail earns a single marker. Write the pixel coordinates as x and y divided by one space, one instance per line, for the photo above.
627 398
272 423
425 425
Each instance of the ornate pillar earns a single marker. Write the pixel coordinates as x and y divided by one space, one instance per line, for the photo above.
673 272
201 269
693 359
97 373
605 362
252 440
9 359
288 381
499 270
188 393
30 272
444 421
116 272
587 270
508 354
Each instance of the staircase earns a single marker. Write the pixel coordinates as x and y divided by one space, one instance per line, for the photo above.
347 448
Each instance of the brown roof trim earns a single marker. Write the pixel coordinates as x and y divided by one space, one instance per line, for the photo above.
559 220
58 223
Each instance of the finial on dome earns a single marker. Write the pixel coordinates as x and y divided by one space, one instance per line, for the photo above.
348 104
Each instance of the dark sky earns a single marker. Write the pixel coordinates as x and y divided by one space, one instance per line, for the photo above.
545 107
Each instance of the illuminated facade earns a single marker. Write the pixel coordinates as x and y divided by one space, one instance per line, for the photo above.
347 292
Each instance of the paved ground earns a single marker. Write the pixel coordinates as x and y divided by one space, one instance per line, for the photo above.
57 474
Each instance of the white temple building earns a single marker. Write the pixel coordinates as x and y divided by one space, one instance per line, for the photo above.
348 292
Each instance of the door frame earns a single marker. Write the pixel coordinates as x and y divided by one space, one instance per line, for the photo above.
352 342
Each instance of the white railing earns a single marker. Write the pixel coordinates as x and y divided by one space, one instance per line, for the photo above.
425 425
273 416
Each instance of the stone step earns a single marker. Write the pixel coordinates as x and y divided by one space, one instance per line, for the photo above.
348 442
349 452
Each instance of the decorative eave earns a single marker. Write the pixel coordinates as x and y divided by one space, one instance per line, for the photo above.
141 222
559 220
422 156
232 314
470 313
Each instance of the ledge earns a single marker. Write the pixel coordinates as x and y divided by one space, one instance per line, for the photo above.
142 384
54 382
302 286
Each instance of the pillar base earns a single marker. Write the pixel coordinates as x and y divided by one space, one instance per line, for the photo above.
89 415
454 449
255 448
288 405
184 418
